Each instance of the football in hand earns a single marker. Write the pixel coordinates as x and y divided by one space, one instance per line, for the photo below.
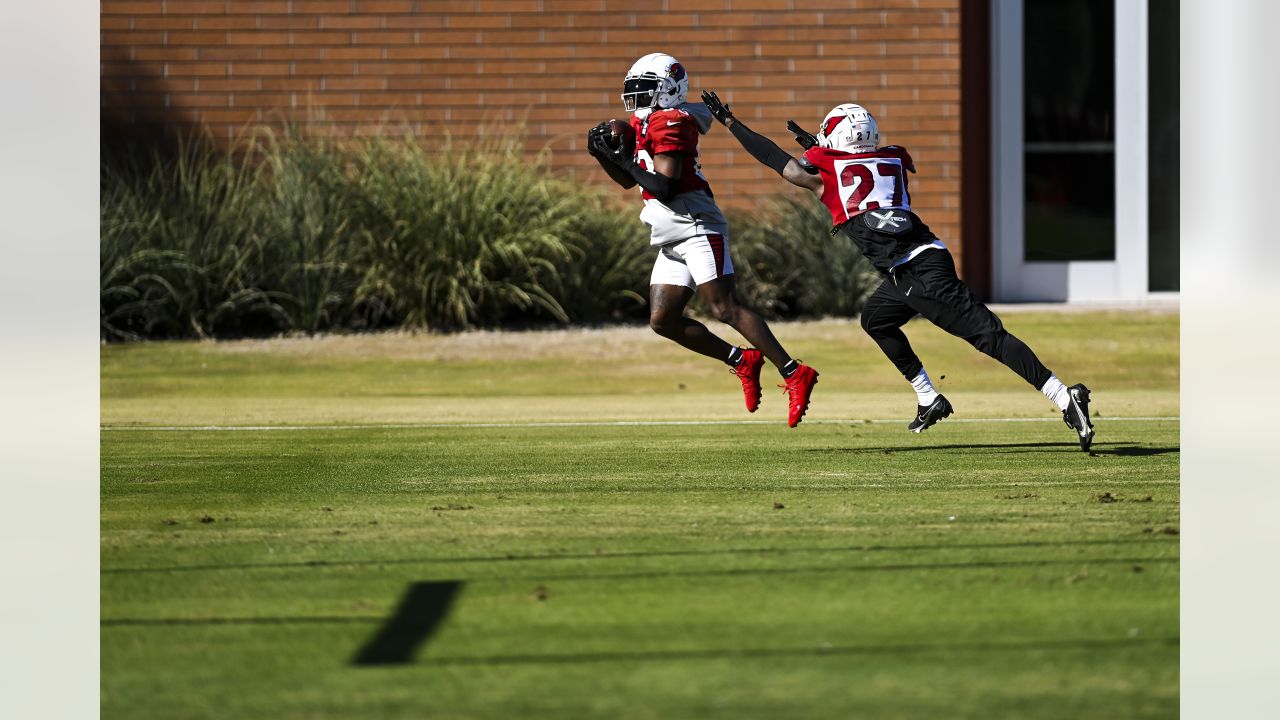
621 132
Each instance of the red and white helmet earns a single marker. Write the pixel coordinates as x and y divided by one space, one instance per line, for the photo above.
656 80
850 128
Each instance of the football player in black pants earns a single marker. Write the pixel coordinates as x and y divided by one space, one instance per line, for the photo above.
865 188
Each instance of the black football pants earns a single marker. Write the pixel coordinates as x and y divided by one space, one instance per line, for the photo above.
928 286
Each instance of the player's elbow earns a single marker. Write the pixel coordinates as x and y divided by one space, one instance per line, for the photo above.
664 189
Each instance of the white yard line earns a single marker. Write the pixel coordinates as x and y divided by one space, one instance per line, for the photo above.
579 424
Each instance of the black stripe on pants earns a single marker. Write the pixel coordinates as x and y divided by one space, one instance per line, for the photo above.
928 286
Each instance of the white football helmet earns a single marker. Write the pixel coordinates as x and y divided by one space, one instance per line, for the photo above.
656 80
850 128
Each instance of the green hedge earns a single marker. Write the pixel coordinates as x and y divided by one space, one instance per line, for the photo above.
288 233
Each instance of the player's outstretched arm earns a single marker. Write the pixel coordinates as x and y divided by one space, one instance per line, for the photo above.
761 147
600 151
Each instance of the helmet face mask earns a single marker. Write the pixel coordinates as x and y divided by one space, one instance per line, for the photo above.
849 128
639 93
655 81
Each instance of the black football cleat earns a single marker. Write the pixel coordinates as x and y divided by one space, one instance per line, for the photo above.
927 416
1076 416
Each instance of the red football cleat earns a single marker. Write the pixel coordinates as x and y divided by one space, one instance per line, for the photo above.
799 387
748 371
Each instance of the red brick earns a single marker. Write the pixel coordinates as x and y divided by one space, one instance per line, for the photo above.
114 7
399 68
354 53
201 100
881 64
226 84
206 69
411 82
134 99
914 49
132 38
418 52
923 79
381 38
794 19
259 69
288 22
258 39
163 23
383 6
320 38
355 83
323 68
320 7
767 65
351 22
477 21
951 62
561 6
542 21
508 37
194 7
226 22
233 115
197 38
939 33
164 54
292 53
415 22
507 6
264 7
227 53
921 17
276 83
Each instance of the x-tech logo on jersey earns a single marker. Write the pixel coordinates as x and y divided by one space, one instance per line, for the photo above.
893 222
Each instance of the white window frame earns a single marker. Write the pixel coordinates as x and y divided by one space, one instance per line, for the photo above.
1123 279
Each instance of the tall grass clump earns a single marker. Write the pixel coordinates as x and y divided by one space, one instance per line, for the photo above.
790 266
183 245
287 232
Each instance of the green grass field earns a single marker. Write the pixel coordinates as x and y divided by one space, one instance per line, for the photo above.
581 563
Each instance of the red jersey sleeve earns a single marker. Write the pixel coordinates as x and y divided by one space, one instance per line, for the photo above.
673 131
901 153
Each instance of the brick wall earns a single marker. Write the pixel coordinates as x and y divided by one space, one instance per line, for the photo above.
353 65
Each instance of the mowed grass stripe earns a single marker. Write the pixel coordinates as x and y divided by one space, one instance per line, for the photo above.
617 423
614 556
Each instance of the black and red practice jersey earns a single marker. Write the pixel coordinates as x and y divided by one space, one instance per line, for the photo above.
670 131
853 183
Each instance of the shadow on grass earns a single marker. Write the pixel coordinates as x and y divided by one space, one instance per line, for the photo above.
632 555
1024 447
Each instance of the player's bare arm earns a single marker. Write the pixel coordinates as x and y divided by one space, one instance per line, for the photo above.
764 149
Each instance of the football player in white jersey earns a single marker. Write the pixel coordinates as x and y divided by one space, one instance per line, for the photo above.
660 154
864 186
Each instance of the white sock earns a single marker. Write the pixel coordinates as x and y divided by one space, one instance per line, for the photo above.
925 394
1057 392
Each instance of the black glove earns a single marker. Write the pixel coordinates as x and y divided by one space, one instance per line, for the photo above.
719 110
804 137
597 137
598 145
